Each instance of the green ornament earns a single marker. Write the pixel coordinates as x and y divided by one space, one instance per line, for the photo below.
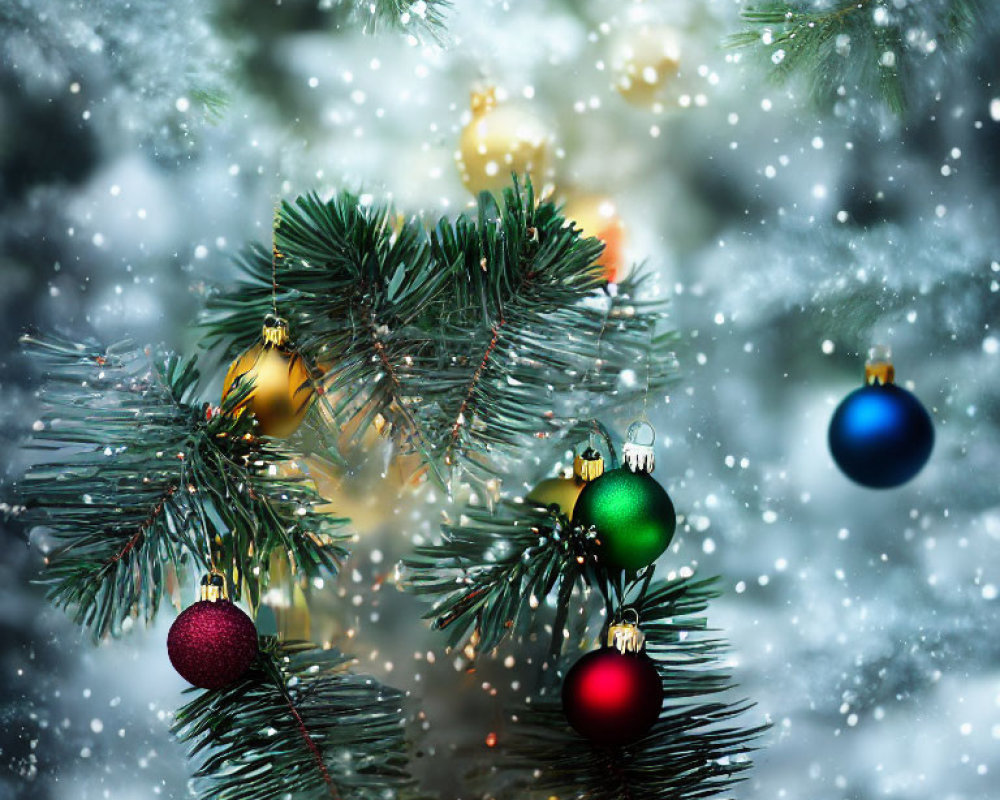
632 514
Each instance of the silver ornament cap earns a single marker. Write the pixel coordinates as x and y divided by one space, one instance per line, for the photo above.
638 453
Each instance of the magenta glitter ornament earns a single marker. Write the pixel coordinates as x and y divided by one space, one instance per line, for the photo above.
212 643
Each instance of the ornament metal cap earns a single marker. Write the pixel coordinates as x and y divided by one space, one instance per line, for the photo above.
639 456
483 100
275 331
588 465
878 367
213 587
626 637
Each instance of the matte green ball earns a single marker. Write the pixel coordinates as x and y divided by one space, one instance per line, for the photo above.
633 515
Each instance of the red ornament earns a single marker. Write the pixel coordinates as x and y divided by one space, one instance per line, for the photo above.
212 643
612 698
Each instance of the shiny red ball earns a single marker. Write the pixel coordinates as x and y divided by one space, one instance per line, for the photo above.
212 643
612 698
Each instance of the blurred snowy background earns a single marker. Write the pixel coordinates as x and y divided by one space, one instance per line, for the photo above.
142 145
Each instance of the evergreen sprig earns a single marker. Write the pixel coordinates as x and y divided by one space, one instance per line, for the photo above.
870 46
492 572
424 16
137 479
695 750
297 724
472 340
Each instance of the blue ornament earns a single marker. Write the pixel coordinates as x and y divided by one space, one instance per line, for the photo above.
880 435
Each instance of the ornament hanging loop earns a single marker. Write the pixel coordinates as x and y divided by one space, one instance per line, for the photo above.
625 636
878 367
638 453
213 587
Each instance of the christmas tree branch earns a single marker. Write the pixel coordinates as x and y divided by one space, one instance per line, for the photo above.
694 750
494 570
426 16
857 45
471 340
138 479
300 725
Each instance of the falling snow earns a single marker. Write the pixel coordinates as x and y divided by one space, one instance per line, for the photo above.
151 144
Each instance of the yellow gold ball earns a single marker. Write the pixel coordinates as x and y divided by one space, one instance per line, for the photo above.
282 389
645 63
597 216
499 140
561 492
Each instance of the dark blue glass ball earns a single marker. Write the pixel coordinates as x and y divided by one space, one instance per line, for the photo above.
881 436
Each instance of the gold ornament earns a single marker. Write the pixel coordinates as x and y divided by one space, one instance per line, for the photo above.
645 63
282 386
563 492
501 139
596 216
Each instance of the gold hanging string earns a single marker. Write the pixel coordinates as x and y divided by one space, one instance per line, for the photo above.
275 255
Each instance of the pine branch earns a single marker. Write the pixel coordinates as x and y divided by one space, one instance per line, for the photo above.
494 570
866 46
471 340
137 479
491 572
297 725
425 16
695 749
